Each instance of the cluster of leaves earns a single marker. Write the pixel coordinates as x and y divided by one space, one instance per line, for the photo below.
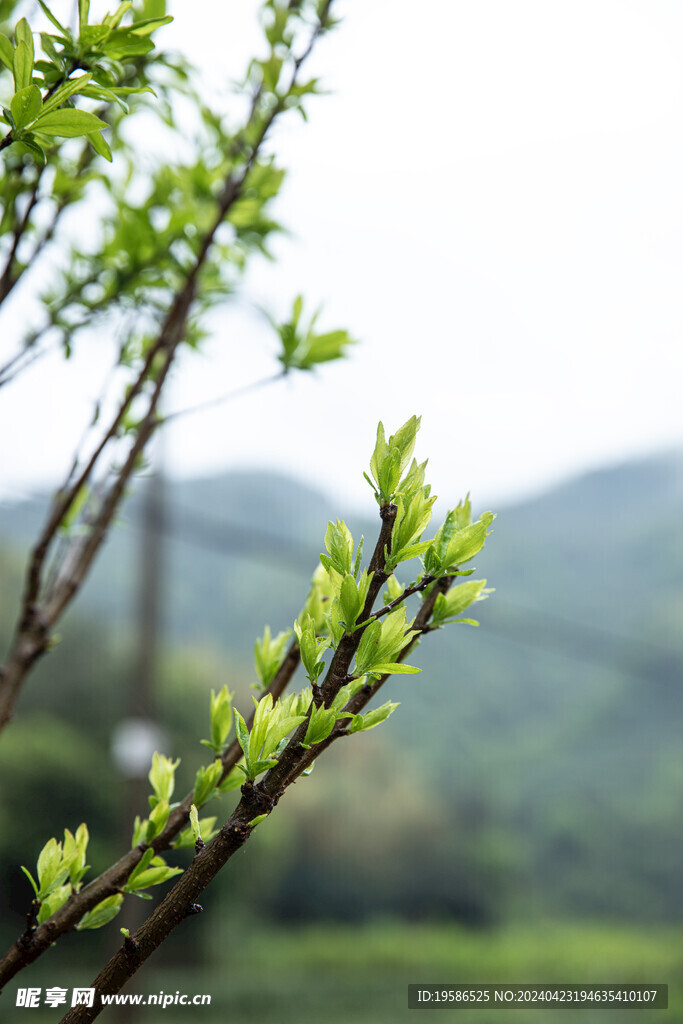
153 227
272 723
302 348
268 654
332 610
331 616
387 634
43 105
60 869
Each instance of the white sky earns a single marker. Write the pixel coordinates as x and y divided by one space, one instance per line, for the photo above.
491 202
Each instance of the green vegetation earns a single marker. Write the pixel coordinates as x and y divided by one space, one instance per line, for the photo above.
547 787
339 973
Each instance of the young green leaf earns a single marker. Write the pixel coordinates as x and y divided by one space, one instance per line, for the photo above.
50 869
302 349
242 734
31 879
25 106
361 723
142 865
205 830
101 914
221 719
100 145
157 820
339 544
393 668
68 123
6 52
75 850
233 780
22 67
321 724
162 778
414 512
156 874
50 15
55 899
114 19
83 12
448 606
23 34
381 642
457 545
32 146
311 647
149 25
206 782
66 91
268 654
391 457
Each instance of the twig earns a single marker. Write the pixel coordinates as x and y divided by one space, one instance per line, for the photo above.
256 799
222 399
10 370
32 633
23 952
7 279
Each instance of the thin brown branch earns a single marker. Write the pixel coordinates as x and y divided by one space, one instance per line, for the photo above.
348 645
32 633
8 279
181 901
408 592
29 947
212 403
257 799
29 355
363 697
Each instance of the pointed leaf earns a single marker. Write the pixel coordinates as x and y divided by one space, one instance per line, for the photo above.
22 67
100 145
6 52
50 15
62 94
68 123
395 668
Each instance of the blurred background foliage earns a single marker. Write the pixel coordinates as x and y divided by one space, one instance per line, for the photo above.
520 816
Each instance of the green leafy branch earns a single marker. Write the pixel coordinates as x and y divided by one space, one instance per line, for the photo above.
175 299
98 902
286 734
100 50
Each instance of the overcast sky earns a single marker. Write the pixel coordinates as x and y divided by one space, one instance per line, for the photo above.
491 202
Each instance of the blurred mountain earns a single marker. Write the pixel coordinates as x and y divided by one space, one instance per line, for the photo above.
551 735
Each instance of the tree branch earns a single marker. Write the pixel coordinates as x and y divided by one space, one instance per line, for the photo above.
180 901
222 399
7 278
32 633
29 948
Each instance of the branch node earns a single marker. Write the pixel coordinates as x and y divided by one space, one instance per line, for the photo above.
388 512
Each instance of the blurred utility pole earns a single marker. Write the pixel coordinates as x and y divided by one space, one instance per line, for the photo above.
142 695
139 734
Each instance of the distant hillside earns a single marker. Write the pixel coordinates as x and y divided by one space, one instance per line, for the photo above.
557 723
